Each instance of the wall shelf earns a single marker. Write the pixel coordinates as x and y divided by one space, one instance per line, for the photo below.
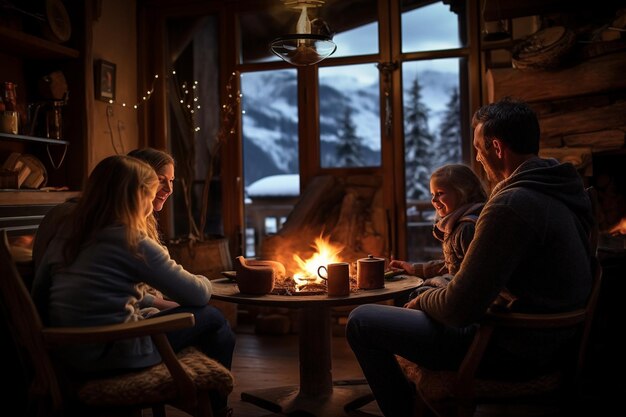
21 211
26 56
25 138
28 46
21 197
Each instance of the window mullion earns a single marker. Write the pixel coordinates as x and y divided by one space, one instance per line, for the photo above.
308 124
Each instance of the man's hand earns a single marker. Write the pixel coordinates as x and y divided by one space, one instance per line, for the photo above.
413 304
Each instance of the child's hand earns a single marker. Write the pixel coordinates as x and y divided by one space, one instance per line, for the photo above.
407 266
392 272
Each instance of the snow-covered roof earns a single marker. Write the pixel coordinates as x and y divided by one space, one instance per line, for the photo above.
286 185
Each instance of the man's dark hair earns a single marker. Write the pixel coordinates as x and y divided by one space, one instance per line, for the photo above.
511 121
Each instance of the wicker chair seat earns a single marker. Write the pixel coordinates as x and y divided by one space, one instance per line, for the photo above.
155 384
439 385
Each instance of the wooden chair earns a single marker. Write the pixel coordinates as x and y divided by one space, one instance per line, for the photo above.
448 393
184 380
457 393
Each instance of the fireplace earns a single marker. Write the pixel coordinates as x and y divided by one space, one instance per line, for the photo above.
609 179
346 211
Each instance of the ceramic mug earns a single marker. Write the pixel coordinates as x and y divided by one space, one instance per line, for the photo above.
255 277
337 278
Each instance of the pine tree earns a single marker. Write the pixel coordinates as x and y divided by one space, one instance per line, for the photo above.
419 143
349 147
289 142
449 149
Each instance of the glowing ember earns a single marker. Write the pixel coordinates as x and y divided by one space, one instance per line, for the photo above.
619 228
325 254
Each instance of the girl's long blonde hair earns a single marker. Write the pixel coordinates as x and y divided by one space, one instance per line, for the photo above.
115 194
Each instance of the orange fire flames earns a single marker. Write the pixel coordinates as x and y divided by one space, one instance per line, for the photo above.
326 253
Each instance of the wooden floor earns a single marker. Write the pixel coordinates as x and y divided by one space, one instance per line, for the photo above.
266 361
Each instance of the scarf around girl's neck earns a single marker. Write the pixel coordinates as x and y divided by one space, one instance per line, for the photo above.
447 224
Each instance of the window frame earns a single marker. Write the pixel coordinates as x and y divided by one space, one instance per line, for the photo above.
392 142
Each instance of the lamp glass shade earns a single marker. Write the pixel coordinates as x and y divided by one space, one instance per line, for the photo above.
303 49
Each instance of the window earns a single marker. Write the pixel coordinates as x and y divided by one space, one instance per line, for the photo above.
432 113
429 28
270 151
411 64
337 115
349 116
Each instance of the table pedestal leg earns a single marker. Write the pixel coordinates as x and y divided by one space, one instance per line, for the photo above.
291 401
315 351
316 395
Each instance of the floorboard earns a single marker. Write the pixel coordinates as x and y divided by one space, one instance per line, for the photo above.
266 361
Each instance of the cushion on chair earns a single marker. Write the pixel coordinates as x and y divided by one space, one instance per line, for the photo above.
155 384
438 385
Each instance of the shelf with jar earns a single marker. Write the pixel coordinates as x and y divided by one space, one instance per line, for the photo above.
39 122
34 94
43 48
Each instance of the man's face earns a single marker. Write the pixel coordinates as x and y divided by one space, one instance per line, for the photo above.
487 155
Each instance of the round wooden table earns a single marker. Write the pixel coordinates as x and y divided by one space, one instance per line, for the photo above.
316 394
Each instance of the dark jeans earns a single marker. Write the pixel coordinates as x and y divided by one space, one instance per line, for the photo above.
376 333
211 334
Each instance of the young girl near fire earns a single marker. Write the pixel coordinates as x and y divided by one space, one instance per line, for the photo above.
458 196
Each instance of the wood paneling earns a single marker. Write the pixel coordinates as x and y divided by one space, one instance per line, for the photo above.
605 73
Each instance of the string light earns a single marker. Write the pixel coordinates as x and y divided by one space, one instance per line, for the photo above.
227 126
229 110
143 98
189 101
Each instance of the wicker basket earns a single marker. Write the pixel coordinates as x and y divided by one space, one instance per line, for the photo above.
544 50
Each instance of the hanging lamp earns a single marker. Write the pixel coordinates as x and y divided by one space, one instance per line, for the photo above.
312 41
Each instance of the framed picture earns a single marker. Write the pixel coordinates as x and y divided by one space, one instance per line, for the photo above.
105 80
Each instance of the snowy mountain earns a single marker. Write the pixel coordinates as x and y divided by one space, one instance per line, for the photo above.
270 120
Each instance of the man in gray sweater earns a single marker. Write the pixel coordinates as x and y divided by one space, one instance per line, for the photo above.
531 243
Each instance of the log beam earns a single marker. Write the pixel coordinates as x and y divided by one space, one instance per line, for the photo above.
589 120
601 74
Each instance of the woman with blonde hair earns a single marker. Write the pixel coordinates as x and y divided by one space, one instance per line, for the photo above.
163 164
92 272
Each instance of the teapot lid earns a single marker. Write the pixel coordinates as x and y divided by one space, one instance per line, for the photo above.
371 258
